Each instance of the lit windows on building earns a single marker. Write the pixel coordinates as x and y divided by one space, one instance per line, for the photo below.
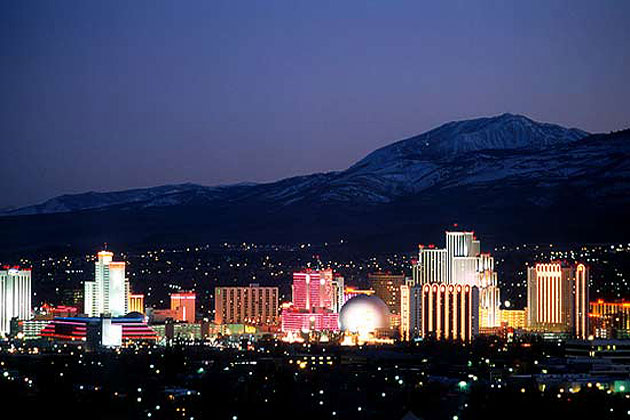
15 296
183 304
253 305
557 298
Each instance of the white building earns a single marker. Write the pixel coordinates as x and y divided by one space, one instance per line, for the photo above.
108 293
432 266
460 263
459 244
15 296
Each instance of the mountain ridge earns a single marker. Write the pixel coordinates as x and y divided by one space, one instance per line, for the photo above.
514 178
492 130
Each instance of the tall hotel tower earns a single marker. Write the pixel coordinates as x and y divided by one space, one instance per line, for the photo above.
108 293
15 296
454 291
557 298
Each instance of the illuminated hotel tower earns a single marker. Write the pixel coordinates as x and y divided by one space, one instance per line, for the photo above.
313 290
460 264
443 312
489 294
431 266
557 298
257 305
136 303
183 303
15 296
459 244
107 294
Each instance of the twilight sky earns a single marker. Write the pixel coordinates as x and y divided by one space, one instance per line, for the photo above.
112 95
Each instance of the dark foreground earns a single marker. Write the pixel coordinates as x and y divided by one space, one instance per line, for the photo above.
433 381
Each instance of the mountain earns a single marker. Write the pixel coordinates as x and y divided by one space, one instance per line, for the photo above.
497 174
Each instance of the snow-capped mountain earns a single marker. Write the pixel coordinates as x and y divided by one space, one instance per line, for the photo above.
498 168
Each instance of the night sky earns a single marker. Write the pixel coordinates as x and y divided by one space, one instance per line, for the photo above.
113 95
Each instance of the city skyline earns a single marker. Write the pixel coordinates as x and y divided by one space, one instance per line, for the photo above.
328 210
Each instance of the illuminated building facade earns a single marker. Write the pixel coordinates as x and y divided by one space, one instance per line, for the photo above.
462 263
557 298
107 294
15 296
105 330
350 292
253 305
338 293
610 319
136 303
183 303
514 318
314 301
387 287
443 311
305 321
431 266
313 290
458 244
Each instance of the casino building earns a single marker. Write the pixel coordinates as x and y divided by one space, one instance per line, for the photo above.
557 298
97 332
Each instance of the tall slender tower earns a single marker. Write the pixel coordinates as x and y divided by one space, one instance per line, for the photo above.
108 293
15 296
557 298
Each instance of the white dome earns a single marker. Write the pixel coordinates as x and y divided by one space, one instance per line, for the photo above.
364 314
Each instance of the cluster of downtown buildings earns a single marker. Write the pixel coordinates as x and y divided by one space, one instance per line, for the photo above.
452 294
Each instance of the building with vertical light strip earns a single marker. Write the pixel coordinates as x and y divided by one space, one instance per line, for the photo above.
15 296
462 263
183 304
338 287
253 305
314 300
136 303
557 298
431 266
444 311
108 293
313 290
458 244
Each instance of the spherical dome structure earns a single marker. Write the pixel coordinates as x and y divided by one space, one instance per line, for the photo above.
364 314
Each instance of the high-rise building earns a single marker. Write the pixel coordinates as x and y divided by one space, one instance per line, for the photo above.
183 303
610 320
431 266
107 294
458 244
15 296
338 293
314 303
557 298
136 303
253 305
463 263
489 293
313 290
386 286
443 311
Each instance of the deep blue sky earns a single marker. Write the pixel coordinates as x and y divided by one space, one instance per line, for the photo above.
119 94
